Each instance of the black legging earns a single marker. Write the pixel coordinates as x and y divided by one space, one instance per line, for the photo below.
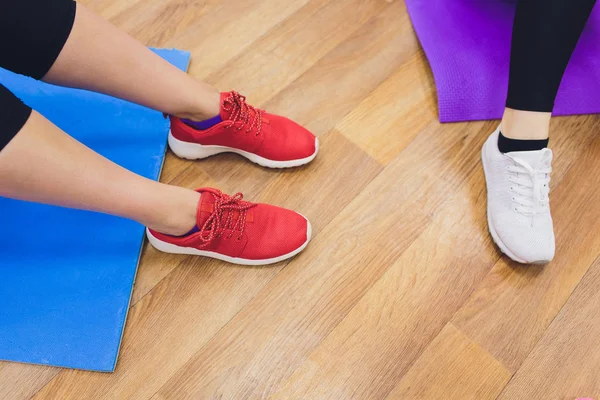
545 33
32 35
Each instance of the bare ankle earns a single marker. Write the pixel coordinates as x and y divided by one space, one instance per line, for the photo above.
203 106
178 215
525 125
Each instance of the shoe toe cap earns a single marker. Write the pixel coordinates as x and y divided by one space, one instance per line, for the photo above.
277 232
288 140
527 241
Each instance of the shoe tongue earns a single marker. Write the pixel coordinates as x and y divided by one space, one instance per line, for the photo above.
533 158
205 208
226 114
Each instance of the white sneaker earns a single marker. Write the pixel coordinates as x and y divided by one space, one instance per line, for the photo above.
518 207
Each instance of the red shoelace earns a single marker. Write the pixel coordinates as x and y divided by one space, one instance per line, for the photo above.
223 216
243 112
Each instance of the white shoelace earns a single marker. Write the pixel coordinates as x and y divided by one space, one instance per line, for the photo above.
530 186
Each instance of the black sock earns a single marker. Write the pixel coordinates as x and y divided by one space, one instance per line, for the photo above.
506 145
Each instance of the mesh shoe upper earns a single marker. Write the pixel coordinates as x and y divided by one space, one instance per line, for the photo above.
518 204
250 129
236 228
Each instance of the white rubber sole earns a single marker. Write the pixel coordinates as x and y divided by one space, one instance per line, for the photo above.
195 151
495 236
171 248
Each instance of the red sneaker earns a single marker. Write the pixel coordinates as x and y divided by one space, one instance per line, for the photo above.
266 139
239 232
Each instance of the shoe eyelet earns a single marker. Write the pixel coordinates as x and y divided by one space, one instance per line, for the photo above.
239 239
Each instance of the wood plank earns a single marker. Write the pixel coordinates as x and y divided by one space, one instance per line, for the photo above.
372 348
290 49
174 166
566 361
108 9
21 381
514 305
451 368
394 113
220 35
167 18
282 325
342 160
336 84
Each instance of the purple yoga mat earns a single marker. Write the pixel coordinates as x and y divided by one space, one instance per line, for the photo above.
467 43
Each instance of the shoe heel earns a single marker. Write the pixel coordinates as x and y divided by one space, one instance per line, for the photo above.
192 151
162 246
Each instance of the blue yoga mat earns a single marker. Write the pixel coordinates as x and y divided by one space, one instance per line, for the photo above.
66 276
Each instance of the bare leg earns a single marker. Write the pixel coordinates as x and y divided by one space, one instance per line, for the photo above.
525 125
53 174
97 56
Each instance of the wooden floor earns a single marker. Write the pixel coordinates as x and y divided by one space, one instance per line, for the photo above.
401 294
